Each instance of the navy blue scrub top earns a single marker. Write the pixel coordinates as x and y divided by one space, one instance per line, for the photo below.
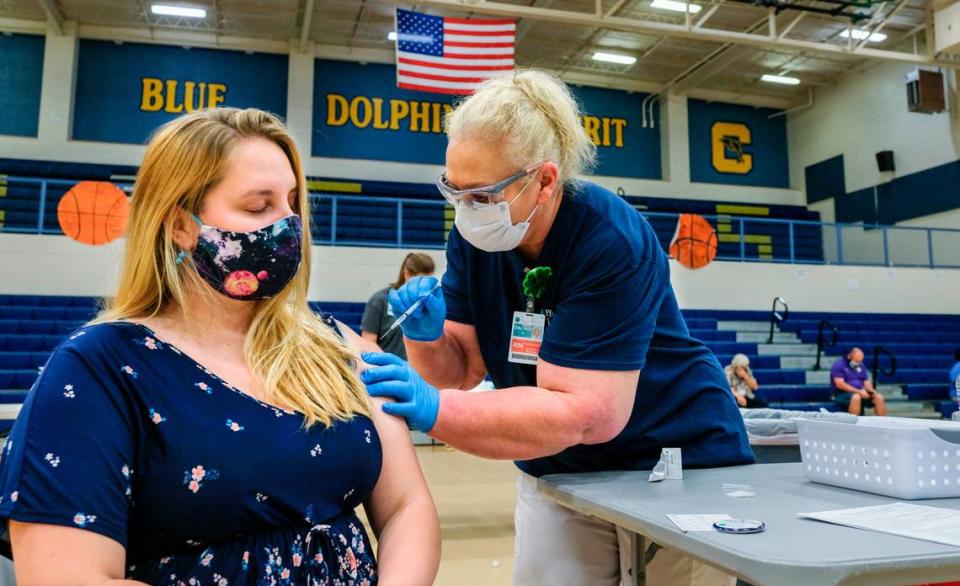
613 308
127 436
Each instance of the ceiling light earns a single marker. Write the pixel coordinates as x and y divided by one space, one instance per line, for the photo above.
779 79
860 35
392 36
170 10
614 58
676 6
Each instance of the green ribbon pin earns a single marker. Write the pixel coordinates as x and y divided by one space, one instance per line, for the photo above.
535 282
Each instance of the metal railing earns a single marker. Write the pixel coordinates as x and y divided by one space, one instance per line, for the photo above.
822 341
777 318
877 371
352 220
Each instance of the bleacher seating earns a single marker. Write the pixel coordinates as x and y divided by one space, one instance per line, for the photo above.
32 326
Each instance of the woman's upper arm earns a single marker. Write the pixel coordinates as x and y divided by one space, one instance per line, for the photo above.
54 554
401 479
358 345
68 467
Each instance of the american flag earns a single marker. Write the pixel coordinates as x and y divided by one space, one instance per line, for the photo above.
451 55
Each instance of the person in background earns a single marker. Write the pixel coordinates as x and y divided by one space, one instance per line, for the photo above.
852 388
378 316
742 383
955 371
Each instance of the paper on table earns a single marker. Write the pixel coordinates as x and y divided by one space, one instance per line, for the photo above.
696 522
907 520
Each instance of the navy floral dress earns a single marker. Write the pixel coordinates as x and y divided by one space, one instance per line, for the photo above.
127 436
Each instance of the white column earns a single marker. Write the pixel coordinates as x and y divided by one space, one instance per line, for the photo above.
59 78
300 97
675 139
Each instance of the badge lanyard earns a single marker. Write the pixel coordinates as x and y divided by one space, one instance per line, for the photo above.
527 327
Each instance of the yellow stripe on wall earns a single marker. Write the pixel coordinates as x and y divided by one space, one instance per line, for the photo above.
3 215
449 215
742 210
765 248
765 256
335 186
724 228
748 238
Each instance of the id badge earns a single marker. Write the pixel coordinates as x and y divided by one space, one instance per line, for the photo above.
526 337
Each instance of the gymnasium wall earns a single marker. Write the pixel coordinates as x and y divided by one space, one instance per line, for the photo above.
99 99
55 265
835 141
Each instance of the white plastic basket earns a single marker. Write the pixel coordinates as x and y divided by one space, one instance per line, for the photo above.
893 456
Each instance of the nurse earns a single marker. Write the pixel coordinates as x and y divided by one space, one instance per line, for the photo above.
560 292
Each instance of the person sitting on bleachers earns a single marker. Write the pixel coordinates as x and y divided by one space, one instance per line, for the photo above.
742 383
955 371
852 388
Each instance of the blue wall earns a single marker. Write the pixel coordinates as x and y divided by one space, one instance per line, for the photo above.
737 145
825 179
21 75
359 113
911 196
124 92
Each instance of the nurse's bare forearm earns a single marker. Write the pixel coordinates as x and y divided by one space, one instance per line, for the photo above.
441 363
518 423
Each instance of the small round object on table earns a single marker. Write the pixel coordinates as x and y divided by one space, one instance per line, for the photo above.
739 526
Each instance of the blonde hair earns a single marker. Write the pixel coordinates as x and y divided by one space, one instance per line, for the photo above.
533 114
740 360
416 263
299 360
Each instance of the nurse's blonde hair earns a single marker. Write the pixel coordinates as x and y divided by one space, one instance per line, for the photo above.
298 359
531 114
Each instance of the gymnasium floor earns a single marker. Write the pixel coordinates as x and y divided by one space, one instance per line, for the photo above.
475 499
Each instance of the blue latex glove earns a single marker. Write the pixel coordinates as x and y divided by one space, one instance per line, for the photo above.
416 400
425 324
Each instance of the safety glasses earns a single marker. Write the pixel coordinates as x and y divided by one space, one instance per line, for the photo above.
487 195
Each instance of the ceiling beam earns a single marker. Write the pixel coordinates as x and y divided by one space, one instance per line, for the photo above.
883 22
16 25
721 56
306 21
54 16
708 70
682 31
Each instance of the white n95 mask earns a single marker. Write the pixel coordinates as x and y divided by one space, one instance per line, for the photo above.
489 228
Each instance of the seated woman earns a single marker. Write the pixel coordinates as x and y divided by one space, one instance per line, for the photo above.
742 384
208 428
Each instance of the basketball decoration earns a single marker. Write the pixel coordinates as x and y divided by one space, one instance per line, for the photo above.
694 243
93 212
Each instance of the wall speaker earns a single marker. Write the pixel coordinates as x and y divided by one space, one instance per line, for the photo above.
885 161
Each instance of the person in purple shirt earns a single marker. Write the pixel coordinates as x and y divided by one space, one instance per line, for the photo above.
852 388
955 371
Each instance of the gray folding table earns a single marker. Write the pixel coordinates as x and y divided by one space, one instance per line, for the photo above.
792 551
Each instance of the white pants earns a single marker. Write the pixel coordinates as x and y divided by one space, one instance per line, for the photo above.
556 546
